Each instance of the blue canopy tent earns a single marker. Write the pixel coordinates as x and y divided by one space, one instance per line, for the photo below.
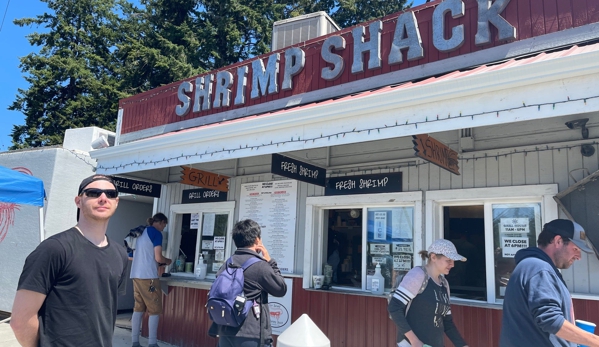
20 188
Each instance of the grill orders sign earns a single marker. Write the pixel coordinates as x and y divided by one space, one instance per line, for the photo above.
214 90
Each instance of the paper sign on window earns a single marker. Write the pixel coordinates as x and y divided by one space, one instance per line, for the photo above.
514 225
219 242
208 227
380 225
402 262
511 245
402 247
378 260
379 248
194 222
207 244
401 223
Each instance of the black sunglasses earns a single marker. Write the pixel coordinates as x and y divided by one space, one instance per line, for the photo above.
95 193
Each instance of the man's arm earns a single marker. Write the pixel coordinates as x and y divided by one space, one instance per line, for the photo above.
24 321
572 333
159 258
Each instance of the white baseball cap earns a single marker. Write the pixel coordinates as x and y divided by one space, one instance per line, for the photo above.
446 248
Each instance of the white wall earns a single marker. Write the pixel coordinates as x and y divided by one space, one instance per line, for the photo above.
24 235
62 171
128 215
510 154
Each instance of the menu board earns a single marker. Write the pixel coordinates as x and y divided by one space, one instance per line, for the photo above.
273 205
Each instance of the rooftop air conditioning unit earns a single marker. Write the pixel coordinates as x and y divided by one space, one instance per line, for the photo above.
301 28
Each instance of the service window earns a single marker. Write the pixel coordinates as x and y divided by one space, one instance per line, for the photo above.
488 226
347 241
212 240
200 229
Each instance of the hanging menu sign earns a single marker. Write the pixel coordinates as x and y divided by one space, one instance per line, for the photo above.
364 184
273 205
298 170
125 185
195 196
204 179
438 153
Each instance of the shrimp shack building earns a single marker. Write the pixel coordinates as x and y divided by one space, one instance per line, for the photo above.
474 121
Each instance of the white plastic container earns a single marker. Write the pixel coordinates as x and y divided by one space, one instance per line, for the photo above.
200 270
303 333
377 282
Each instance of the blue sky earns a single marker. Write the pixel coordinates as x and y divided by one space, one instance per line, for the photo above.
13 40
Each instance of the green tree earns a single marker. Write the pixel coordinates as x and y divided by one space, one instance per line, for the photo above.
160 44
352 12
96 52
72 81
235 30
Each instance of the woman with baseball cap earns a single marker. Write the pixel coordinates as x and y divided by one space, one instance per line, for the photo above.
420 305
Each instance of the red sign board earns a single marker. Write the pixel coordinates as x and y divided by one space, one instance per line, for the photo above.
339 62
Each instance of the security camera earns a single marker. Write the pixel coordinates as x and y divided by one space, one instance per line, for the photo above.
579 123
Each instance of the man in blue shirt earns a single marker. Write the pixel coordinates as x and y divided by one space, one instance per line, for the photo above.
537 308
146 286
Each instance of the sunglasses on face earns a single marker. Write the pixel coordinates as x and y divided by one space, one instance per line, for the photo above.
95 193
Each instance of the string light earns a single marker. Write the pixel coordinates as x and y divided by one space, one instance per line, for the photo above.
354 130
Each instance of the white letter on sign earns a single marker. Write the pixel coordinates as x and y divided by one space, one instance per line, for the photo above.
406 26
456 7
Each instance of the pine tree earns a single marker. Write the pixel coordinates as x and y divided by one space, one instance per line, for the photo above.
96 52
72 82
160 44
352 12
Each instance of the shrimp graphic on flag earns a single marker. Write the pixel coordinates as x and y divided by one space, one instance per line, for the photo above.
7 210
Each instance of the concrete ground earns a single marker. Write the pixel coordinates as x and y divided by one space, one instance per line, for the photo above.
121 338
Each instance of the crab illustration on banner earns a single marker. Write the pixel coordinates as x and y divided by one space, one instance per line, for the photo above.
436 152
204 179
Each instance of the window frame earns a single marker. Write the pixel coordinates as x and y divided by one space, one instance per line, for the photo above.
174 236
487 197
314 227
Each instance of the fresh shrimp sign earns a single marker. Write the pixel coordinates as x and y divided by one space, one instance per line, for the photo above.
7 210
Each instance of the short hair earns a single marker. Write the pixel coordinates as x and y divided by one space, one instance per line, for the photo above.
97 177
546 237
245 233
158 217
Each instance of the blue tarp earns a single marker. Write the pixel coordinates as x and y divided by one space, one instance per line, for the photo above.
19 188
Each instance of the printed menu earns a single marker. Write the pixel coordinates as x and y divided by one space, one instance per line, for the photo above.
273 205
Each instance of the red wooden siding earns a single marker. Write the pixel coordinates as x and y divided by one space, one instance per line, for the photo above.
530 17
347 320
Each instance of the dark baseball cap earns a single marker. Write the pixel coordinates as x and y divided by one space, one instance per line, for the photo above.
570 230
87 181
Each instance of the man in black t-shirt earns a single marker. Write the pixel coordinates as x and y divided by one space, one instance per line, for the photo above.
67 292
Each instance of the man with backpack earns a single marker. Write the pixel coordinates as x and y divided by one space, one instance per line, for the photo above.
261 279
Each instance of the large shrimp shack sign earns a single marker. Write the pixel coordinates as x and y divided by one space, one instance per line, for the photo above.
397 48
214 90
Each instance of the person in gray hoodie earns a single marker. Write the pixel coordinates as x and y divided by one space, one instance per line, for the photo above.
537 308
